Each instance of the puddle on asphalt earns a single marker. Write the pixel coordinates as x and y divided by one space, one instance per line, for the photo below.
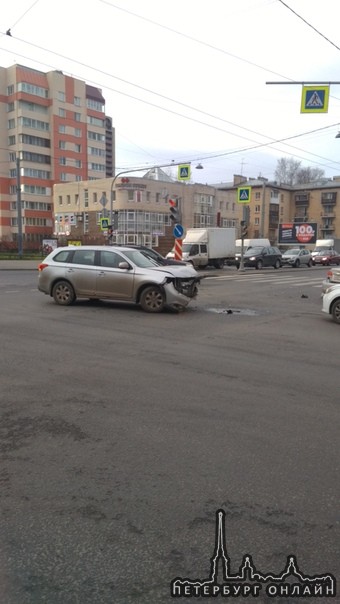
235 311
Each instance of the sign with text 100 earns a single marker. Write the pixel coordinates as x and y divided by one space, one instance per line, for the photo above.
298 232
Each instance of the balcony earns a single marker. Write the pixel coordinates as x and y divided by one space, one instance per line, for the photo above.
328 198
302 199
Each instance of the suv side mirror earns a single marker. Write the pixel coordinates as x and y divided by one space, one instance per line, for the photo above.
124 265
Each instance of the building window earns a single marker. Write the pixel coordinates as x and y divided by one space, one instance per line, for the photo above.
257 195
257 209
11 124
76 101
77 132
62 145
62 112
10 90
86 198
68 200
77 117
61 96
257 221
61 129
94 198
62 161
131 195
63 176
78 163
11 140
60 200
77 148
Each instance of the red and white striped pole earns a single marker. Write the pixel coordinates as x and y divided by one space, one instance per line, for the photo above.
178 249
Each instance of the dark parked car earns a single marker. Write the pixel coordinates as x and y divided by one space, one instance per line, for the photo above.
151 253
259 257
326 258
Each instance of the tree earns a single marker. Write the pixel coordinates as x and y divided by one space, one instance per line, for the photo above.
288 172
306 175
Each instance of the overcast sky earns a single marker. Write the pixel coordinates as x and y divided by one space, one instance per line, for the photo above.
187 81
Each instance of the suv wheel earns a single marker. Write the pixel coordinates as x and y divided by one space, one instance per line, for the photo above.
152 299
277 264
297 263
336 311
63 293
259 265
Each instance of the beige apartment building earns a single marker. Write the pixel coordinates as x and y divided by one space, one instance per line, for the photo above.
140 209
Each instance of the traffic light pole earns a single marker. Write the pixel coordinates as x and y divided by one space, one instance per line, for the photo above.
130 172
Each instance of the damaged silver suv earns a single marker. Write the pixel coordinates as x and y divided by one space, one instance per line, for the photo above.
115 273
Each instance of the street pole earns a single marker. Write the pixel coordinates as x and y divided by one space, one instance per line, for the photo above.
19 214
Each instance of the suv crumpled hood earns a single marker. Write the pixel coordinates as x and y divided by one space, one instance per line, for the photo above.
177 272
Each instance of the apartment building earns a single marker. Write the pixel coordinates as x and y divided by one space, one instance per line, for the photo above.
272 203
140 209
54 129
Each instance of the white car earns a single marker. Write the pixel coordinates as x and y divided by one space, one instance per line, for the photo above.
296 257
331 301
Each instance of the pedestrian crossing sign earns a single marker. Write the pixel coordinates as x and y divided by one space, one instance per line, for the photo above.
243 194
314 99
184 172
104 224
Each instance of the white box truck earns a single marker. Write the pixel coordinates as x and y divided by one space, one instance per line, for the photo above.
210 246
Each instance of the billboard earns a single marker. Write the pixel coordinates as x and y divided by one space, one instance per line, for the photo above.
298 233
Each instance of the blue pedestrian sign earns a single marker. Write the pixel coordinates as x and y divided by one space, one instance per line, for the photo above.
243 194
314 99
184 172
178 231
104 224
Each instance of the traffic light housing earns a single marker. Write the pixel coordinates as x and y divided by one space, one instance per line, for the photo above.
175 212
244 229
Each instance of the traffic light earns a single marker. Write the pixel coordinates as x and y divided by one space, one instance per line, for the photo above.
175 212
244 229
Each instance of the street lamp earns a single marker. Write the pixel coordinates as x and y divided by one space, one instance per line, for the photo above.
139 170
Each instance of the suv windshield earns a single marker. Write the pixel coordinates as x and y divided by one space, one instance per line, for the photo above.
139 259
253 251
291 253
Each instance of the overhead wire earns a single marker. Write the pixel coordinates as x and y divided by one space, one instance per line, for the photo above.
164 97
309 24
269 143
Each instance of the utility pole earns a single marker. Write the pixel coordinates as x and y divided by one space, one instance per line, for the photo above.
19 214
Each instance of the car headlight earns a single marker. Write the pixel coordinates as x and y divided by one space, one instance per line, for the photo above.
252 258
330 288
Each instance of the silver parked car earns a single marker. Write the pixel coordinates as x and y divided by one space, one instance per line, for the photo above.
297 257
115 273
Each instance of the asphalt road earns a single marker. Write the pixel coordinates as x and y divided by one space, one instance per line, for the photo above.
123 433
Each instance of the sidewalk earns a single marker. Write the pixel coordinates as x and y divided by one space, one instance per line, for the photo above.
21 265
